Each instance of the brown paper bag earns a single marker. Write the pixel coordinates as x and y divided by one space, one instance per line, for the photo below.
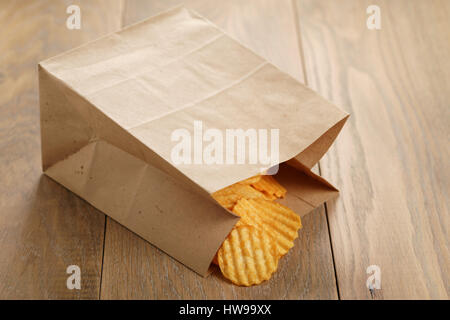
108 110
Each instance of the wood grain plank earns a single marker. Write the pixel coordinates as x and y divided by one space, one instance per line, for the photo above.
135 269
391 161
43 227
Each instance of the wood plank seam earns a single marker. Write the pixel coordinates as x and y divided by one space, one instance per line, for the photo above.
305 76
103 258
332 250
299 40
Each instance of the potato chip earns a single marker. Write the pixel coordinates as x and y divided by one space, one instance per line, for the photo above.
277 220
248 256
229 196
270 187
240 223
251 180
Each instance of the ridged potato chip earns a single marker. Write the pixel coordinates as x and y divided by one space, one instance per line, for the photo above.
270 187
248 256
277 220
229 196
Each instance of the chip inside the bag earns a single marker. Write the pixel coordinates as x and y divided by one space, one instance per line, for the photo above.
270 187
251 180
229 196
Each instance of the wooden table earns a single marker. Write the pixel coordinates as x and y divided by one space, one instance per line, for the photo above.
390 162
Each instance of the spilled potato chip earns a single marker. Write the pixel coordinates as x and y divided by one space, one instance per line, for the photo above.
265 232
277 220
248 256
270 187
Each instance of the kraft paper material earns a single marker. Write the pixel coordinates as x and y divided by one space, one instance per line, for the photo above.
108 109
